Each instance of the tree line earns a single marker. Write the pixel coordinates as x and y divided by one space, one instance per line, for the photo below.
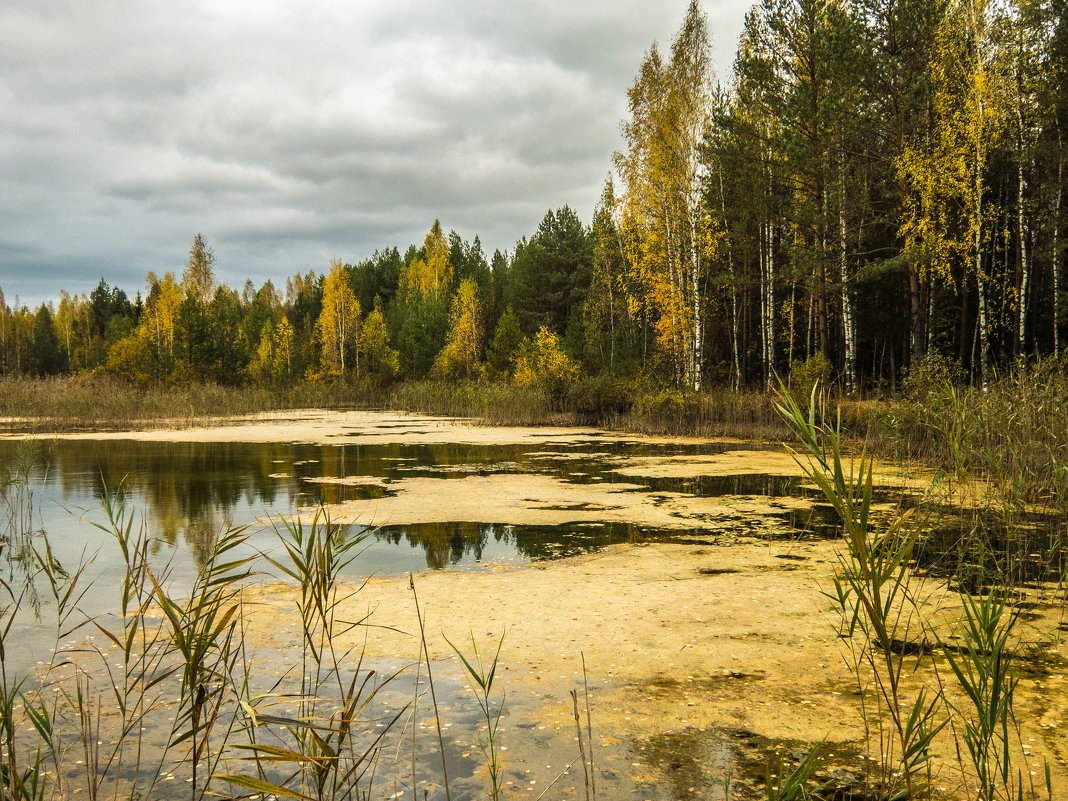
879 183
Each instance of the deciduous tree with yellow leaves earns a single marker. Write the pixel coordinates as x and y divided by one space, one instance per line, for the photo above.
463 345
945 223
660 208
339 321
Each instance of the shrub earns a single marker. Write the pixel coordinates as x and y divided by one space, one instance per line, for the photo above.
804 375
598 399
544 365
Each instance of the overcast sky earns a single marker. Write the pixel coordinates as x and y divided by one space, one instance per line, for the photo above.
288 133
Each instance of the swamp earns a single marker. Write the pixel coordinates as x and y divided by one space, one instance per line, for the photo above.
376 605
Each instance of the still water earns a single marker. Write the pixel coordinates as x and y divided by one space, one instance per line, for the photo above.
186 493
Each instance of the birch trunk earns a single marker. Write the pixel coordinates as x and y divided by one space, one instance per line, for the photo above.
847 300
734 285
695 288
1057 248
1025 272
767 301
984 331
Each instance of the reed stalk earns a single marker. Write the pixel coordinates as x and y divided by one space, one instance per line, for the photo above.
873 594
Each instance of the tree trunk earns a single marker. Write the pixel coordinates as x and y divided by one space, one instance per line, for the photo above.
695 288
1057 248
983 324
984 328
768 301
1025 273
762 258
793 323
822 320
847 298
915 310
734 285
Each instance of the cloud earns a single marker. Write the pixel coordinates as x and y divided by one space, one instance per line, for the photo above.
289 133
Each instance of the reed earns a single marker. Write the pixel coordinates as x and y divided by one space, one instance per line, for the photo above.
982 666
795 785
874 595
23 772
1014 436
480 675
319 746
493 402
102 402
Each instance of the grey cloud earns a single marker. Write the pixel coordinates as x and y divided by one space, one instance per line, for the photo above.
289 133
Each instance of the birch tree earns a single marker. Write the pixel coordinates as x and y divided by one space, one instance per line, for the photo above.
662 174
755 117
199 276
945 219
338 323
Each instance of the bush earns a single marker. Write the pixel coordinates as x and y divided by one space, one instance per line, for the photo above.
599 399
804 376
932 375
543 365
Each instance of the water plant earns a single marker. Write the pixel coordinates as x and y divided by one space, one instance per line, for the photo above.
480 675
873 594
795 785
982 665
320 743
29 561
202 635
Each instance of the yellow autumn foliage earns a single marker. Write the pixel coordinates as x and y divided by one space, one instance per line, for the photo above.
463 347
543 365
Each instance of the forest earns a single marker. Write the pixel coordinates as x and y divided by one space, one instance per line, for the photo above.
879 184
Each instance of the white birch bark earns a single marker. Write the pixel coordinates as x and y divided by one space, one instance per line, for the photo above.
734 286
848 322
1057 250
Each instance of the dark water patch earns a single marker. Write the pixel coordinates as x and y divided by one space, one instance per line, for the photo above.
1039 662
340 492
717 764
577 507
841 773
687 764
820 521
901 647
469 545
763 485
979 547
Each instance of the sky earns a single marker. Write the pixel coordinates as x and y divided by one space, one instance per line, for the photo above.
291 133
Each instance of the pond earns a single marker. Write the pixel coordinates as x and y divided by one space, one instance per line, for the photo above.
699 635
445 505
187 492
